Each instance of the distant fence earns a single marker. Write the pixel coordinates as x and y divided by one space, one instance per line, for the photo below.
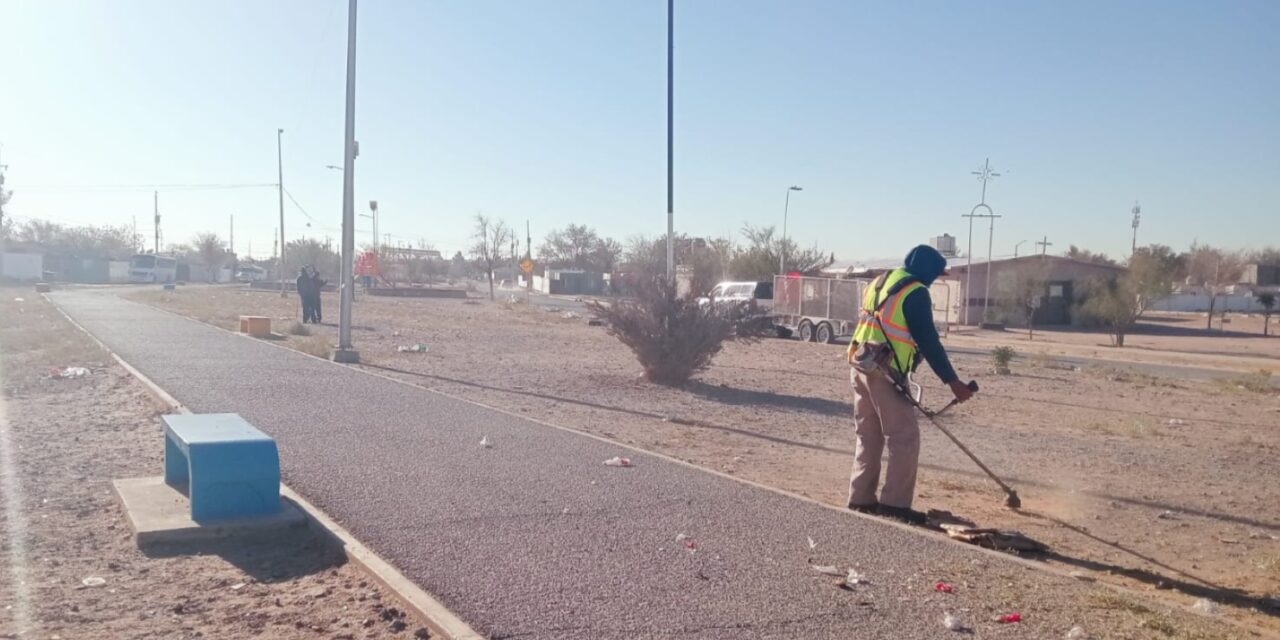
1192 302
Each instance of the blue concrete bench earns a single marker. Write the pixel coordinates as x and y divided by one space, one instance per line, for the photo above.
229 468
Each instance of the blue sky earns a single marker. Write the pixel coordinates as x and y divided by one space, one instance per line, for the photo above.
553 111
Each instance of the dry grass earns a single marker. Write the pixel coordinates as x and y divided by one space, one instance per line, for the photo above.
299 329
1127 428
1256 382
317 346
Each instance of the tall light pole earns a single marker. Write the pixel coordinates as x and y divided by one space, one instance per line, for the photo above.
671 219
280 193
373 207
1015 247
1137 217
782 247
345 352
985 175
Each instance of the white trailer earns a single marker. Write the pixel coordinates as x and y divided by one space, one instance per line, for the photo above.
817 309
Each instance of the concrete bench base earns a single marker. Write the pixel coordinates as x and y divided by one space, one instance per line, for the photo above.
256 326
160 513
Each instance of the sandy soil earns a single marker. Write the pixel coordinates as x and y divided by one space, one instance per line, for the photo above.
61 442
1158 483
1172 338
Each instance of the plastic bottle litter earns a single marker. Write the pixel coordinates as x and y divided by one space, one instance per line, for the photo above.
1176 422
237 586
19 300
828 569
943 587
1077 633
413 348
484 442
853 578
1009 618
93 581
617 461
680 537
1205 605
571 315
951 622
812 544
69 372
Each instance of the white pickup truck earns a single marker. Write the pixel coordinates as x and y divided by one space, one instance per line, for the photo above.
757 294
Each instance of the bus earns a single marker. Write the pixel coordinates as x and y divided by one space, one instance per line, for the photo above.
153 269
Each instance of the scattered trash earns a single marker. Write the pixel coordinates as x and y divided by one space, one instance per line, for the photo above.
237 586
1166 515
1080 575
571 315
564 511
952 623
812 544
1175 422
595 322
828 569
680 537
1205 605
1077 633
484 442
691 544
618 462
19 300
395 334
93 581
998 539
853 579
943 587
1009 618
413 348
69 372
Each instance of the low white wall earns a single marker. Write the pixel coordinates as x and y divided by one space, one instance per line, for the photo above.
27 267
1240 303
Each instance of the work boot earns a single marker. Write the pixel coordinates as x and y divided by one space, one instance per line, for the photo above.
905 514
870 509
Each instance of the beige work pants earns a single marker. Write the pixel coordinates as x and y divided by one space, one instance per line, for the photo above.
883 418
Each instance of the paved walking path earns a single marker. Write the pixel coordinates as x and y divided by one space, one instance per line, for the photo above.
535 538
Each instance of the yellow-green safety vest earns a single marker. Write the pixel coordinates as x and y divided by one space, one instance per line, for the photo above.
891 316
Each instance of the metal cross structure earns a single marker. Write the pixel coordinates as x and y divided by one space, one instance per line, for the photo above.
1044 245
985 175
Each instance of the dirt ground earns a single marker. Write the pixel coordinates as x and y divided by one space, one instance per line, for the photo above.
1156 483
61 528
1172 338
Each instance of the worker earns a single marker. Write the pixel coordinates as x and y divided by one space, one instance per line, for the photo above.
303 286
894 330
317 285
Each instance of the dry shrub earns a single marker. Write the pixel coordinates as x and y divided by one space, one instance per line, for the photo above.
299 329
317 346
675 337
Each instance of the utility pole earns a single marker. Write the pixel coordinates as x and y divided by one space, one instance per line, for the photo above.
1137 216
671 224
280 193
232 243
345 352
782 246
1044 245
155 199
528 255
4 195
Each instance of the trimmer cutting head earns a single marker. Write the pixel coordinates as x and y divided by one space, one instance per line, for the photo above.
1013 501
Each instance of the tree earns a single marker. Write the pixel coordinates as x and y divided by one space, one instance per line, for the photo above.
1085 255
606 254
758 260
212 252
1267 255
311 252
1026 290
490 239
579 247
1118 302
1268 302
647 258
1213 269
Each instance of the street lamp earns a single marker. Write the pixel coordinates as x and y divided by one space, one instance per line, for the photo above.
345 352
373 206
782 246
280 193
1015 247
1137 217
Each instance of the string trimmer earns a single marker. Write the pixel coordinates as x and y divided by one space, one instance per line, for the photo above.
1011 497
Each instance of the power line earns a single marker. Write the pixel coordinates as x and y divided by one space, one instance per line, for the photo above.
147 187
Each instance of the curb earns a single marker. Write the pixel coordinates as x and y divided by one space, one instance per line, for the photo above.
439 620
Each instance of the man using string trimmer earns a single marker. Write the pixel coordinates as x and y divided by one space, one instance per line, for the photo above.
895 329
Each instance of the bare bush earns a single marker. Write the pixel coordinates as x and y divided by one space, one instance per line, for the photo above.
299 329
675 337
317 346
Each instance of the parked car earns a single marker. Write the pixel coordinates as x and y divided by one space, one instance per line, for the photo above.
757 294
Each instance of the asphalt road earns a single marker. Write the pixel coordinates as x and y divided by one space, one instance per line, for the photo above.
536 538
